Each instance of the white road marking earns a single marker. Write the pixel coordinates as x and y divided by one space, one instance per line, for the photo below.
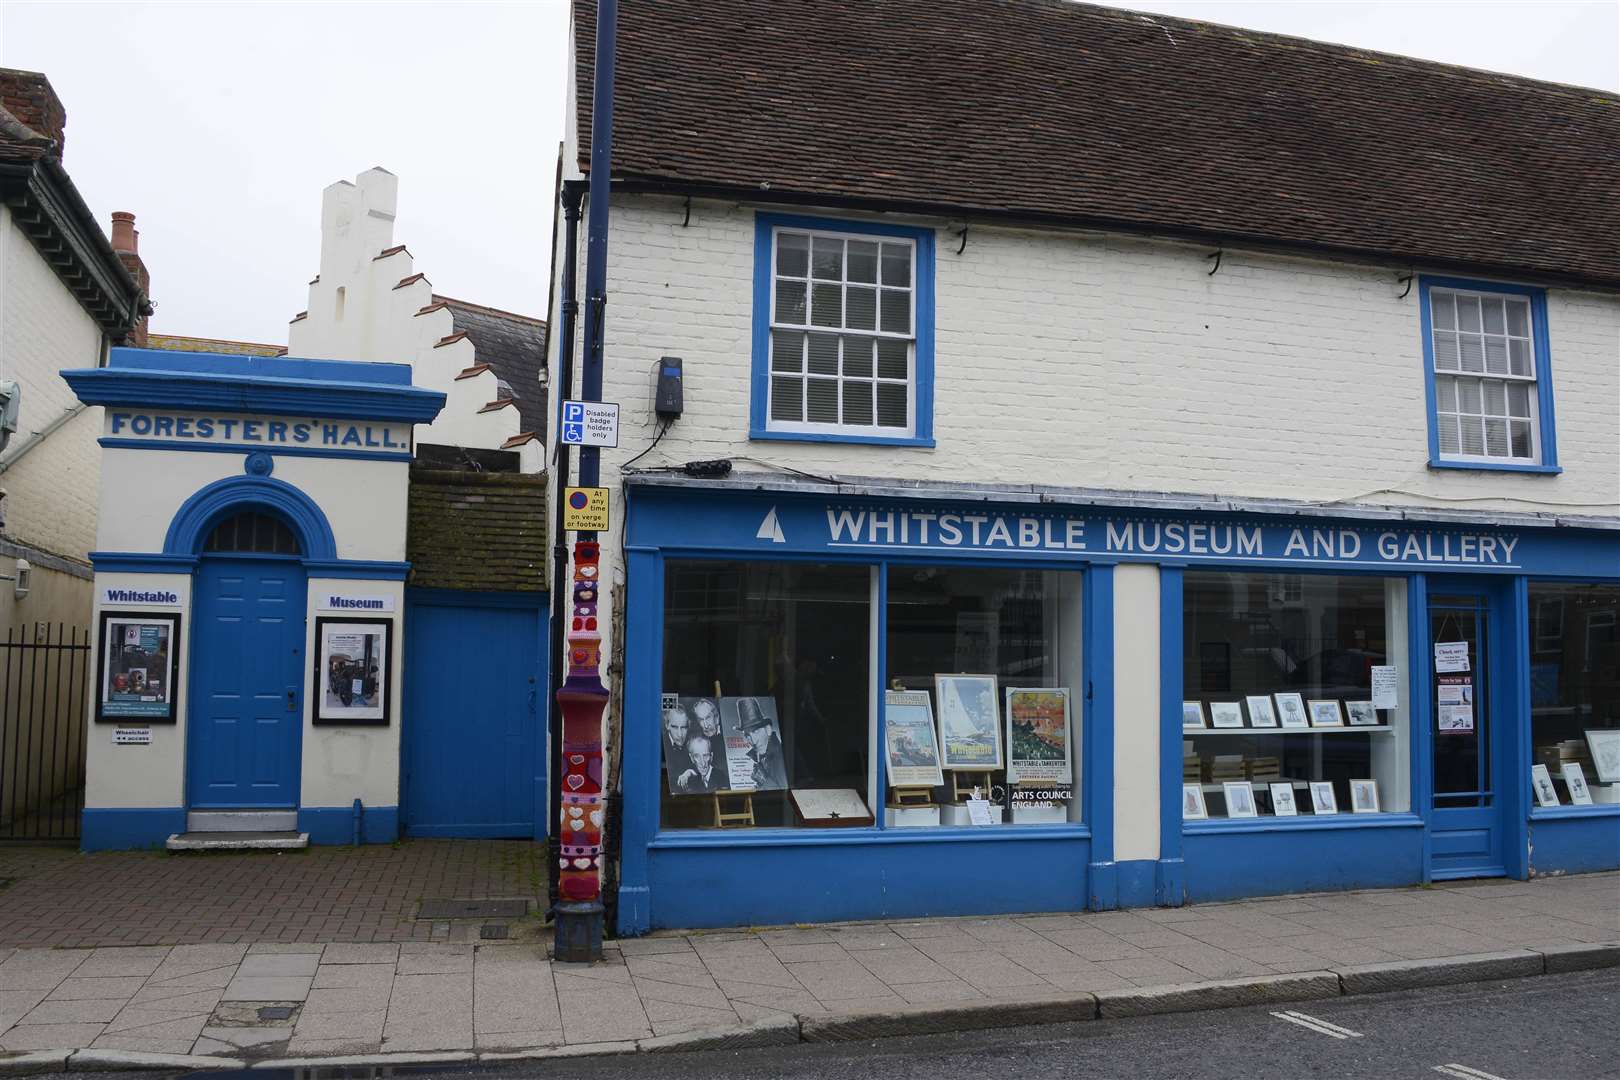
1464 1072
1318 1025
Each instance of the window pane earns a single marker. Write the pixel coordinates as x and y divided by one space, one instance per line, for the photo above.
824 354
827 306
827 258
1574 678
792 254
858 402
1468 396
1496 440
1468 313
1491 307
787 399
1445 352
788 646
1445 394
1496 355
1448 435
787 350
821 404
1518 399
863 260
892 357
897 264
1257 649
1520 354
858 357
789 302
896 311
1518 317
1521 438
1472 349
1495 398
891 405
1444 305
862 313
1473 436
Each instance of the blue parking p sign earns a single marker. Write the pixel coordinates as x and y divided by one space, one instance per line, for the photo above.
590 423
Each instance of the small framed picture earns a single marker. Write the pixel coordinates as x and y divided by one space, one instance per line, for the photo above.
1323 801
1541 780
1226 714
1605 747
353 671
1282 800
1192 802
1239 798
1364 796
1192 714
1261 713
1291 708
969 715
1575 780
1362 713
136 667
1326 714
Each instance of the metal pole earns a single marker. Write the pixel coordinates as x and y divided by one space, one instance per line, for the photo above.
583 699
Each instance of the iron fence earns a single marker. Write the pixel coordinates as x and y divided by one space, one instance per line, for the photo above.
44 679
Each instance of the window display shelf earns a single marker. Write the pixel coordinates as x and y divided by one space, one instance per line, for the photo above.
1193 733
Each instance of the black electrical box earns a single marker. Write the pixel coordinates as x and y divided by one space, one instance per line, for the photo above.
667 398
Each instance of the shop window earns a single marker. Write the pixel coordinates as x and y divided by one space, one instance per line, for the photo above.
766 715
844 331
1490 395
984 691
1279 718
1574 639
253 533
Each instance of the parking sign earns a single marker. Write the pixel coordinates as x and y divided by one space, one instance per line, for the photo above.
590 423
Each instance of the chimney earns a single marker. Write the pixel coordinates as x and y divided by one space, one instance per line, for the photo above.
28 96
126 242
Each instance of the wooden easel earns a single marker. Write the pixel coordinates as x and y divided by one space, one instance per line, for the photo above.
732 809
963 783
911 796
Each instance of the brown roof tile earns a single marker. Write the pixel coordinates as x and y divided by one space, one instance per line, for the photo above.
1055 112
480 531
385 252
498 404
449 339
412 280
472 372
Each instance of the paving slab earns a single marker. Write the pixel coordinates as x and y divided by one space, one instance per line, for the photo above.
271 988
367 953
39 969
260 966
74 988
49 1036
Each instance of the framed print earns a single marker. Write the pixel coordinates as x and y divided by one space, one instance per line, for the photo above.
1362 713
698 765
1226 714
1541 781
1261 713
1291 708
1323 801
353 671
1575 780
1282 800
136 671
1364 796
1192 715
969 722
1038 736
831 807
1239 798
1192 802
1605 747
911 750
753 743
1326 713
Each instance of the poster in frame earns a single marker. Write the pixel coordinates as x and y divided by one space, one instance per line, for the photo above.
1541 782
1326 712
1323 801
911 749
1282 799
1362 713
354 667
1605 747
1291 707
1192 715
137 667
969 722
1575 781
1226 714
1239 799
1261 711
1192 803
1364 797
1038 736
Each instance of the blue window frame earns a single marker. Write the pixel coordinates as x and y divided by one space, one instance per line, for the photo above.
843 335
1488 376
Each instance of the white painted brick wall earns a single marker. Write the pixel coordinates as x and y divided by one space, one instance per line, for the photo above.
51 493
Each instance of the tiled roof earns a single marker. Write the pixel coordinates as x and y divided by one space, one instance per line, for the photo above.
514 346
477 530
1046 111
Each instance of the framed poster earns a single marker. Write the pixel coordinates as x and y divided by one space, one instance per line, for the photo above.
354 663
1226 714
1326 713
1282 800
1261 714
1192 802
1291 707
1192 715
1575 780
1541 780
135 673
753 741
1038 736
911 751
698 766
1605 747
1323 801
1362 713
969 722
1239 799
1364 796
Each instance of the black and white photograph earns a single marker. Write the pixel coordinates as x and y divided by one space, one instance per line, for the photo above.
1261 712
1323 801
969 721
1226 714
1364 796
1239 799
1362 713
1541 781
1192 714
1575 781
675 723
137 676
1605 747
1291 708
352 670
754 760
1282 800
1326 713
702 770
1192 802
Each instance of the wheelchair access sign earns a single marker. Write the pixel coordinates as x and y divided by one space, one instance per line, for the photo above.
590 423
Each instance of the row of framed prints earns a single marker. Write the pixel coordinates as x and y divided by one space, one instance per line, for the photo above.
1290 711
968 736
1240 801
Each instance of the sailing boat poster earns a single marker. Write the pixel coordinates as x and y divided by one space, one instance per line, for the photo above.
969 727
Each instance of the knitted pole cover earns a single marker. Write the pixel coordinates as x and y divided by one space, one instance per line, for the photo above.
583 700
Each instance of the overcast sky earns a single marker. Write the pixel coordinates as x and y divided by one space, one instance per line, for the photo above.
219 124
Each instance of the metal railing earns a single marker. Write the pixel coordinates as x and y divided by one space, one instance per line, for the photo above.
44 680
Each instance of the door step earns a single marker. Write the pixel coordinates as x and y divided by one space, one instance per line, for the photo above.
241 821
238 841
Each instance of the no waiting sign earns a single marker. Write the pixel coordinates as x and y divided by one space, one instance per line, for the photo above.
585 509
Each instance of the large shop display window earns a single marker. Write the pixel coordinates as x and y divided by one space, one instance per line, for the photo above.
1575 694
1288 684
982 710
766 710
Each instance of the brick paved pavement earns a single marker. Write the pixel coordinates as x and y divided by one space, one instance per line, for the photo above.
61 898
416 996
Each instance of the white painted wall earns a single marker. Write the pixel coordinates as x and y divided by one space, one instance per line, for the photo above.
50 492
342 764
1136 712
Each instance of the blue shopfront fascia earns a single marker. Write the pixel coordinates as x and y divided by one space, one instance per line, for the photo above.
779 875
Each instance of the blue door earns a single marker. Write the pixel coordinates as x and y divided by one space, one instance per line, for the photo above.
474 722
246 715
1470 719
